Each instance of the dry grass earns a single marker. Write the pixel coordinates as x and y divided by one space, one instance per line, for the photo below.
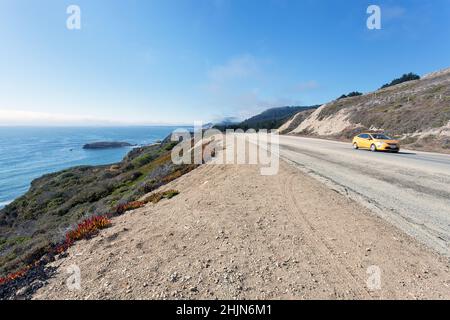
158 196
122 208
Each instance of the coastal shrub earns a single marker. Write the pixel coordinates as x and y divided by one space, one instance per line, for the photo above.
143 160
154 197
170 146
134 176
351 94
55 203
170 194
178 173
95 193
404 78
12 241
127 178
109 174
174 175
66 175
37 250
149 187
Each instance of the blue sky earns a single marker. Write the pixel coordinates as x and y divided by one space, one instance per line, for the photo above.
176 61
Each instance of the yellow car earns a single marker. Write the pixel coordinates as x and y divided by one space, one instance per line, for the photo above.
375 142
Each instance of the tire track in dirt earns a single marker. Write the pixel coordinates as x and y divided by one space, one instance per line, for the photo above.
313 234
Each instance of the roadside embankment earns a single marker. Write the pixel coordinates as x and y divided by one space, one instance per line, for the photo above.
232 233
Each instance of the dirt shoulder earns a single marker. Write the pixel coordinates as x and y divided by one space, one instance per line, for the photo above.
232 233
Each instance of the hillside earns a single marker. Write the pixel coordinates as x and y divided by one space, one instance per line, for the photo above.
33 223
270 119
417 112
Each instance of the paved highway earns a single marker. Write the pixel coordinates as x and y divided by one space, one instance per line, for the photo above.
410 189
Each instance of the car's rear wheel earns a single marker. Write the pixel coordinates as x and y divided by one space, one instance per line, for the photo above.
355 146
373 148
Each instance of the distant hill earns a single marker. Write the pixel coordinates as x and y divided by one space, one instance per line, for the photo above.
270 119
417 111
228 121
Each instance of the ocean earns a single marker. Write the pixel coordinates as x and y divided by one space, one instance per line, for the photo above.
27 153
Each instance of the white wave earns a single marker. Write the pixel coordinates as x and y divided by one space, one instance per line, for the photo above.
4 204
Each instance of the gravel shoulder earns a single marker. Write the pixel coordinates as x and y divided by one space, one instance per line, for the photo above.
234 234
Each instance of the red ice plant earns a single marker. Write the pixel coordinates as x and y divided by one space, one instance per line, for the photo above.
87 228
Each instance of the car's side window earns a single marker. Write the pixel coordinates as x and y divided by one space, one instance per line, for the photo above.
364 136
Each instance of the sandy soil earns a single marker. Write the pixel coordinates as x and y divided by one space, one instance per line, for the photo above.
232 233
327 127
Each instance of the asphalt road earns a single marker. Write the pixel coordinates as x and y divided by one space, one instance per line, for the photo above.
410 189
